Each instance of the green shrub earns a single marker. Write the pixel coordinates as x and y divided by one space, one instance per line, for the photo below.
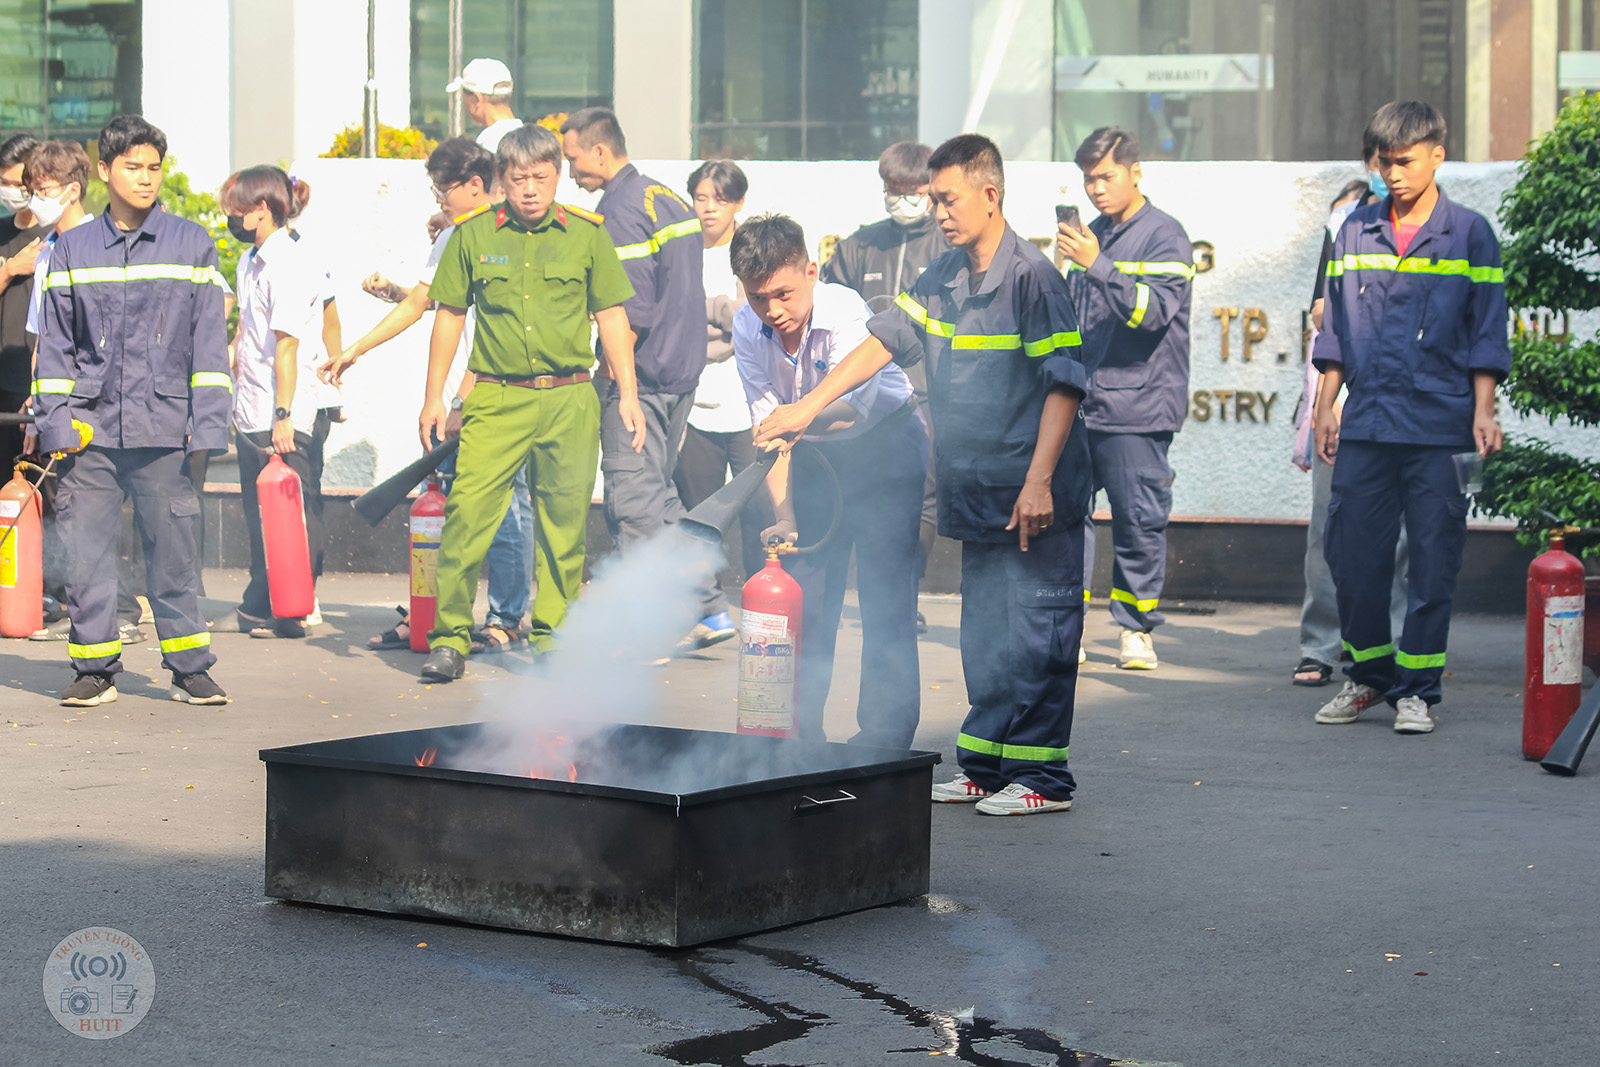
393 143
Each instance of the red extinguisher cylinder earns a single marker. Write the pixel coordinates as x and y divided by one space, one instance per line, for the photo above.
21 559
769 653
427 526
283 534
1554 652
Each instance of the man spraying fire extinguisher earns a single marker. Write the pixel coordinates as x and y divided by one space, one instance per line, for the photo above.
133 343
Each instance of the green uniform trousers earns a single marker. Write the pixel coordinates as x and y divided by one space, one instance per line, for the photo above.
556 432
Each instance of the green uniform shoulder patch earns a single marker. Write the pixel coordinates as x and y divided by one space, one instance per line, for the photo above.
591 216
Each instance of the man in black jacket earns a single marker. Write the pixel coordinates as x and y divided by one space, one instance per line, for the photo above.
884 259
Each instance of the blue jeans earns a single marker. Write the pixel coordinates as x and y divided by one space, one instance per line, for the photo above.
510 558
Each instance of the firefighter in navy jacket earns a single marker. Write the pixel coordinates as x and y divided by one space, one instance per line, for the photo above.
133 343
994 324
1414 325
1130 275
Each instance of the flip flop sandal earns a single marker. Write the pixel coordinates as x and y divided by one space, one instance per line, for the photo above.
1307 666
485 644
390 638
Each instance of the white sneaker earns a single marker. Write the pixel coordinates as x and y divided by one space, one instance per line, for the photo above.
1018 799
1411 716
1138 651
959 790
315 618
1352 700
1083 655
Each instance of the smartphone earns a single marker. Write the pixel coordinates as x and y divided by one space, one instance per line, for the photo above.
1068 213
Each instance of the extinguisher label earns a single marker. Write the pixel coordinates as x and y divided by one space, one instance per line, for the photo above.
1563 640
425 533
766 671
10 509
8 559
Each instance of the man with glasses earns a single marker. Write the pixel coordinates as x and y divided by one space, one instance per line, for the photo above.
463 176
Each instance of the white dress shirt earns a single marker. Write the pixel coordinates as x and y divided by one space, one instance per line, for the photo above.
838 324
280 289
719 401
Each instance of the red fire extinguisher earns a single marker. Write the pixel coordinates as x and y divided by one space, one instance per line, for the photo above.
283 533
769 651
1554 663
427 525
21 560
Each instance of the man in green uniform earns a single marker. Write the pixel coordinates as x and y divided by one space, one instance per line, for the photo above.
535 271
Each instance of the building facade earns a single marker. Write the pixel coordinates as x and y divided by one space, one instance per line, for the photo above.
240 81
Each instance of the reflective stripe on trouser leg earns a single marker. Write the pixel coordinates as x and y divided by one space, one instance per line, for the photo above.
1436 518
1021 625
165 512
1133 470
1359 543
88 504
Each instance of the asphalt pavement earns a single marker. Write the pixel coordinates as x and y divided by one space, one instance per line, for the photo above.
1236 885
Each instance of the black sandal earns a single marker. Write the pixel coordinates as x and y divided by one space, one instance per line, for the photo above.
390 638
1308 665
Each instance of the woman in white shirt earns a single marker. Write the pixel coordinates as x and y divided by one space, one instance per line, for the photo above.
719 437
277 349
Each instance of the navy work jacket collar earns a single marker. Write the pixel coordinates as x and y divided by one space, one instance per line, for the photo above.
625 174
1440 222
1108 233
147 228
1005 255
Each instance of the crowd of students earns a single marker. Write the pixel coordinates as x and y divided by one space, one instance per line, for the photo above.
953 378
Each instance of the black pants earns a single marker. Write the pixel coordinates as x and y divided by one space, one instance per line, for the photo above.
257 603
10 436
704 463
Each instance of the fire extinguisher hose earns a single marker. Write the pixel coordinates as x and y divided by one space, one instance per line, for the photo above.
811 454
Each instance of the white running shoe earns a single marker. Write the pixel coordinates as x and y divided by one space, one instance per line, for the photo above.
1411 716
315 618
1018 799
1083 655
1352 700
1138 651
959 790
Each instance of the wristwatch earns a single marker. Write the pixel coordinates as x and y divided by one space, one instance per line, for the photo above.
456 403
280 413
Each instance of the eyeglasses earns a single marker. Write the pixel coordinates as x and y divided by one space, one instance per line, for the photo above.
49 192
440 193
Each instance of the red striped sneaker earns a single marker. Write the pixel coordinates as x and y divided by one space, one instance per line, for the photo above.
1018 799
960 790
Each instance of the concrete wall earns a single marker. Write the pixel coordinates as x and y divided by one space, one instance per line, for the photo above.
367 215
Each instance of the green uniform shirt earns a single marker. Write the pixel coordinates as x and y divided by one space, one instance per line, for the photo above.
533 289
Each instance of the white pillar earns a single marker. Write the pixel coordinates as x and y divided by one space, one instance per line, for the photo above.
1479 43
187 87
652 76
1545 33
944 67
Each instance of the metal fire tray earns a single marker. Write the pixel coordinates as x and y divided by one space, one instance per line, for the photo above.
666 837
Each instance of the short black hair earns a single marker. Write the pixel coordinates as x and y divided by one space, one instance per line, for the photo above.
1357 190
127 132
459 160
16 149
597 125
726 178
1122 146
1402 123
904 165
764 245
1369 144
978 158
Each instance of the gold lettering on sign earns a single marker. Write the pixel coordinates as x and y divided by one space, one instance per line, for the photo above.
1254 322
1202 406
1226 315
1222 397
1208 402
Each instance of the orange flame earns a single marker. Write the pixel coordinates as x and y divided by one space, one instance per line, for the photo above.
547 757
426 759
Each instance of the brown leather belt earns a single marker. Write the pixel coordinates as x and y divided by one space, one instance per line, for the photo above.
538 381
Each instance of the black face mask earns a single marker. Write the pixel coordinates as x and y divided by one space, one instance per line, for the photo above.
236 227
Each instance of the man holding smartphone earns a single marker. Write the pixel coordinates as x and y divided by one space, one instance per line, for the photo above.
1130 273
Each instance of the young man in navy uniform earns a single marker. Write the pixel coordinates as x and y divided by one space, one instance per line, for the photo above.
133 342
1130 273
1414 326
993 320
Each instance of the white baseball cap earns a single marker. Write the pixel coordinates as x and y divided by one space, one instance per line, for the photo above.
488 76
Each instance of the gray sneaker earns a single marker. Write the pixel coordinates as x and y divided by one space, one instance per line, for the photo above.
1352 700
88 691
1411 716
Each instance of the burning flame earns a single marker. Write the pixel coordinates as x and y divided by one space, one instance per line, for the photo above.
547 758
426 759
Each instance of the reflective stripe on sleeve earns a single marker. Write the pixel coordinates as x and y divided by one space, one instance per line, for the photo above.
657 239
1031 753
1361 655
183 644
1418 663
1182 270
1046 345
919 315
1128 598
200 379
1460 268
61 386
1141 302
103 650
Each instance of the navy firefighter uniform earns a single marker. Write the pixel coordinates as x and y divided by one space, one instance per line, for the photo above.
1133 303
993 355
1410 332
133 342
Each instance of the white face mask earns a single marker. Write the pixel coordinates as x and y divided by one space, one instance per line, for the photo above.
906 210
47 212
14 200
